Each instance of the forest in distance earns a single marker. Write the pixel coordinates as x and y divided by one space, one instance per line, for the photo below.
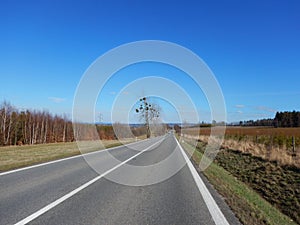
28 127
281 119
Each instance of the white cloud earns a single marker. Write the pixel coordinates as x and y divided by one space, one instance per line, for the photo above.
240 106
239 111
56 99
267 94
264 108
260 115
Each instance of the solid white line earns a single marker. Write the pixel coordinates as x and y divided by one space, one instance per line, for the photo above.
60 160
70 194
211 204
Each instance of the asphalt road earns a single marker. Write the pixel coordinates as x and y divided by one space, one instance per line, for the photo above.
71 192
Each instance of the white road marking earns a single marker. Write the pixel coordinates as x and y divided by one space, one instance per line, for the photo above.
60 160
211 204
70 194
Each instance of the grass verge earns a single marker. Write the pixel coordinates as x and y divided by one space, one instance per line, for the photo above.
249 207
13 157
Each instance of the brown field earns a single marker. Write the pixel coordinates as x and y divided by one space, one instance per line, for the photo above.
273 144
271 170
250 131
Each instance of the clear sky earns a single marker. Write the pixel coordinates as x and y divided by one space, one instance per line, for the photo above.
252 47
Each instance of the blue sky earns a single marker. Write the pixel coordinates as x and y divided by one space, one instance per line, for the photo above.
252 47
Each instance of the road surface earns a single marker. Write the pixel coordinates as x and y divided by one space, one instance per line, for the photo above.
71 192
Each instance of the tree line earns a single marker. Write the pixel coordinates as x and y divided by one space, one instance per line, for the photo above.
281 119
287 119
28 127
32 126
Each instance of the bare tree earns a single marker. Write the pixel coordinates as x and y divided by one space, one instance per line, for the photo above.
35 127
148 112
6 122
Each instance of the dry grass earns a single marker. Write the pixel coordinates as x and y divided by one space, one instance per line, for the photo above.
248 206
273 144
13 157
260 150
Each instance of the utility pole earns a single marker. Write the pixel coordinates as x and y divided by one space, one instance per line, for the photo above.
100 118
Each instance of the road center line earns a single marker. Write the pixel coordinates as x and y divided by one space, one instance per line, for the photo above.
211 204
70 194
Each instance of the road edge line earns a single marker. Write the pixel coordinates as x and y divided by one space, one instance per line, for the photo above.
64 159
210 202
75 191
